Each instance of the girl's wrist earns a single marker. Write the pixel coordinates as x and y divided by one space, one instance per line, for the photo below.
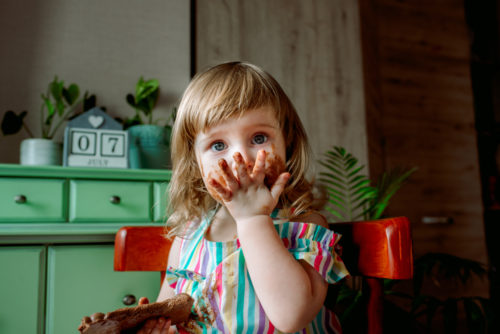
252 220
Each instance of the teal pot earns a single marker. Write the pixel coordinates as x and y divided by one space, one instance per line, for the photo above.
149 147
38 151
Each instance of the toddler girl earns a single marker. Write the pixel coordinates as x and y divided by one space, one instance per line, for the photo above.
248 248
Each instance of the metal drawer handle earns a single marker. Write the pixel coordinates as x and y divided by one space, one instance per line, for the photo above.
20 199
115 199
129 300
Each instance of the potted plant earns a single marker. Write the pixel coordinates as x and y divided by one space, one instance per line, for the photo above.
149 142
58 104
351 197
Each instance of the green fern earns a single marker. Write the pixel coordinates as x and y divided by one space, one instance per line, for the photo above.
351 195
388 184
349 191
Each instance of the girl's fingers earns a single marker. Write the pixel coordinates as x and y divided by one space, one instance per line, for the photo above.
156 326
227 174
241 169
259 169
166 327
143 301
162 326
224 193
279 185
148 327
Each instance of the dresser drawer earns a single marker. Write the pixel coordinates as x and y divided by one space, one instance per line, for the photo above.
110 201
32 200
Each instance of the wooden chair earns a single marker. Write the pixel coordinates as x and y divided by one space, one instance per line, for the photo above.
371 249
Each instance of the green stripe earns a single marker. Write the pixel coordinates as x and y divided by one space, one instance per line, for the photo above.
240 299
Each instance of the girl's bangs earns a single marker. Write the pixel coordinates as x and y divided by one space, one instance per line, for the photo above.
237 93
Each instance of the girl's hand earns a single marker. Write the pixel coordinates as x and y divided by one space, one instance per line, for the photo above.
243 192
155 325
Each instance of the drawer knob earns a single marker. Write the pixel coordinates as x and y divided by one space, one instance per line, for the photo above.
129 300
115 199
20 199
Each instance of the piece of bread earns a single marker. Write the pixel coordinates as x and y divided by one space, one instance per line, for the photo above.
177 309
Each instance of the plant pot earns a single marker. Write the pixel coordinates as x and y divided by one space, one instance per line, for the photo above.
149 147
38 151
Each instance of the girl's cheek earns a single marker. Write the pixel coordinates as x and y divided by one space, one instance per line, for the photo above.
273 168
213 173
215 176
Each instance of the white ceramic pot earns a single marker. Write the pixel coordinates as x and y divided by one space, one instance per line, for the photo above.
38 151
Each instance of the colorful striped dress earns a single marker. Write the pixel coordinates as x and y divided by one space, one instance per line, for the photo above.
215 275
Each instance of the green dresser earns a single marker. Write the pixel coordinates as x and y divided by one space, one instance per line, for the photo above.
57 227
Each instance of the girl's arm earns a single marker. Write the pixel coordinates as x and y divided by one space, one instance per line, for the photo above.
290 291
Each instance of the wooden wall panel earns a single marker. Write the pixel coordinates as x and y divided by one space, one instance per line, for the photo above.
412 103
311 47
428 121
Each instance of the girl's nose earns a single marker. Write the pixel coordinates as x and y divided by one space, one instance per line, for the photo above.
247 153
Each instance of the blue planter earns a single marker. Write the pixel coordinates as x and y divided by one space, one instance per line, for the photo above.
149 147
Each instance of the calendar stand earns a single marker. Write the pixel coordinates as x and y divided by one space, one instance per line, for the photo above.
94 139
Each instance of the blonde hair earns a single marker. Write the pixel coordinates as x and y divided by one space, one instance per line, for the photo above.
213 96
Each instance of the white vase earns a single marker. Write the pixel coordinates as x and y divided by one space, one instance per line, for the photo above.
38 151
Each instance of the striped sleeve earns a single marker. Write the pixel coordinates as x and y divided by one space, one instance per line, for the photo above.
315 245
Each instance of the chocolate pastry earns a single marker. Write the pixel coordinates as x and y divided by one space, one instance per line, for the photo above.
177 309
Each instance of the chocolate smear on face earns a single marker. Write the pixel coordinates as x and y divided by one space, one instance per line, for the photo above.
216 176
274 167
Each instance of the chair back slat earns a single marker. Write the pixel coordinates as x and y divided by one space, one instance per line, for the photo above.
141 248
379 249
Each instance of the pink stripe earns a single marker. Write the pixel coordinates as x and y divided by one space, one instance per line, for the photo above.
286 242
335 324
304 230
181 289
318 259
334 238
218 280
271 328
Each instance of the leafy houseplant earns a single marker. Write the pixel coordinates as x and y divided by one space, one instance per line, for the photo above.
353 197
143 101
59 103
149 142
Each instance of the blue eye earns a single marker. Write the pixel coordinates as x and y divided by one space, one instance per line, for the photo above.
259 139
218 146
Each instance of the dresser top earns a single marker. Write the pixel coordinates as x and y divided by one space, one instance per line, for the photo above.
15 170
